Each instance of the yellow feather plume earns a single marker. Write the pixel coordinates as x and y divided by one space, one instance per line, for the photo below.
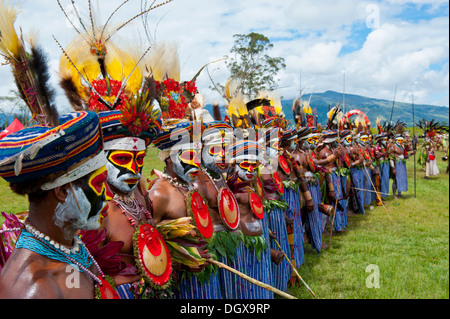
118 63
274 99
231 88
237 106
9 41
307 108
164 62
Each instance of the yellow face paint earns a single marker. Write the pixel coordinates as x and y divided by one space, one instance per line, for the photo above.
248 166
97 182
132 161
191 157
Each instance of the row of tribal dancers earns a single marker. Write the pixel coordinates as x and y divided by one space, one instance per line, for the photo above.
249 200
289 185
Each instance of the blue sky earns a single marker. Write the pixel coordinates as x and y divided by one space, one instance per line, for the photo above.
378 44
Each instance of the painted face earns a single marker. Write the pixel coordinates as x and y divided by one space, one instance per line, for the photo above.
124 169
246 170
273 149
85 203
364 139
186 164
293 145
98 192
400 141
214 158
347 141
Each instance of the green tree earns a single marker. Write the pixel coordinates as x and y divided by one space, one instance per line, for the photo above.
251 64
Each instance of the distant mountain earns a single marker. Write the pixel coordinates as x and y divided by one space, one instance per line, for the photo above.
373 108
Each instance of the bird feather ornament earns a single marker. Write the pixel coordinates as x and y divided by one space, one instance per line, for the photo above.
238 112
107 77
297 111
30 69
335 116
231 88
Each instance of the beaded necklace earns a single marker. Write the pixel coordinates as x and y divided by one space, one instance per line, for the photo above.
78 255
132 209
176 184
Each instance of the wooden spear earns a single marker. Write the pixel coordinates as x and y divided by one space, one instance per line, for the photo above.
368 176
293 267
251 280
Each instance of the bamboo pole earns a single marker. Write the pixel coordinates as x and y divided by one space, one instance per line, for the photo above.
293 267
368 176
359 189
251 280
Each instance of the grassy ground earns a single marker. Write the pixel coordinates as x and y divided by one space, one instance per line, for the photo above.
412 253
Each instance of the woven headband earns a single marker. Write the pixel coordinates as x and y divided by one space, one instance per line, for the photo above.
89 166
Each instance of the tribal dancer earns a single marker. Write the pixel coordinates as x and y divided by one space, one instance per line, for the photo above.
223 206
175 197
255 252
288 174
312 217
275 208
357 171
94 81
60 165
331 152
398 163
269 118
364 142
252 254
381 155
431 129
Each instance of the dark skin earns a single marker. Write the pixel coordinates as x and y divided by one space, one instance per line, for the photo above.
207 189
118 228
276 255
324 153
301 157
168 204
249 224
28 275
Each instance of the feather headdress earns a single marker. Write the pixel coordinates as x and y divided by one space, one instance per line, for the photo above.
30 69
335 118
238 113
303 114
99 76
430 128
173 96
95 72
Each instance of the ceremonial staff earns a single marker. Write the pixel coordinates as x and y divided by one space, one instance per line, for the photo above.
290 263
393 104
414 144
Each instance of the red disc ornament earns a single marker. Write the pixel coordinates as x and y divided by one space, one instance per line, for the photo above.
258 186
201 215
372 153
256 205
153 256
348 163
228 208
311 165
106 290
366 155
279 183
284 165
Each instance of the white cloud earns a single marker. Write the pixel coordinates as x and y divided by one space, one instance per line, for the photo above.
309 35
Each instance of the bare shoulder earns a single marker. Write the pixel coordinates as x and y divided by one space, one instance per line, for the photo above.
28 275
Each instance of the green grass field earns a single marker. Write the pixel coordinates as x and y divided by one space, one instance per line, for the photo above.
411 253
